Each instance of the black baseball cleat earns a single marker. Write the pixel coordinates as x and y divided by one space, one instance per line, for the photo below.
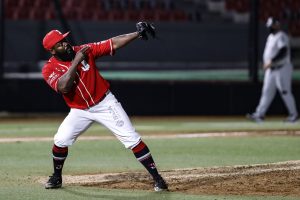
160 185
255 118
54 182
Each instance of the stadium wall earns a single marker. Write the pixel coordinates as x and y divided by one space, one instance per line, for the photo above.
148 98
178 42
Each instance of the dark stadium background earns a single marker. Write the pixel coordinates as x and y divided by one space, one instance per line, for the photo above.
220 39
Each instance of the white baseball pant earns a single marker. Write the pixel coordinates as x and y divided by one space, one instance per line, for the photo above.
280 79
109 112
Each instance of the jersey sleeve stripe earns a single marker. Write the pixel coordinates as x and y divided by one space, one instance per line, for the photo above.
111 47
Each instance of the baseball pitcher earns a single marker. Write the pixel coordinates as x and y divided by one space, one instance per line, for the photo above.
72 72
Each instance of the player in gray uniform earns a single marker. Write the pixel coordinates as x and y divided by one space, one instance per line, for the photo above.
278 73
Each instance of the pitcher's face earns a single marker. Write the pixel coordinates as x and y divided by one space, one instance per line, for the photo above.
63 50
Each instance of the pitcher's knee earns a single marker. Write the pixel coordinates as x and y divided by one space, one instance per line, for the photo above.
131 142
63 141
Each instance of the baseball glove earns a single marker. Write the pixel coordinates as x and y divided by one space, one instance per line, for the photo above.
144 28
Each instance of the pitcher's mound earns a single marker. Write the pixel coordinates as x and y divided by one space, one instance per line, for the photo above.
281 179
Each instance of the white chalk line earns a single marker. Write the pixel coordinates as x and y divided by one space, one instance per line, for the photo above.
158 136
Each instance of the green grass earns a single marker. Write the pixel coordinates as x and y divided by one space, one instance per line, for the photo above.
22 162
80 193
105 156
148 125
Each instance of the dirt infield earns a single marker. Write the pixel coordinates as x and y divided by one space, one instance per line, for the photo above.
280 179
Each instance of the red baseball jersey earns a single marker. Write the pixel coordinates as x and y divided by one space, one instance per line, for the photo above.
89 86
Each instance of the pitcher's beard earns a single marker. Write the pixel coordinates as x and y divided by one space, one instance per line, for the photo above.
68 55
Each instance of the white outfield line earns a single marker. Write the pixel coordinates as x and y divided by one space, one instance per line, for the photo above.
162 136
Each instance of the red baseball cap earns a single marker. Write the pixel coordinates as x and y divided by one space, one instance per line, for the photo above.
52 38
